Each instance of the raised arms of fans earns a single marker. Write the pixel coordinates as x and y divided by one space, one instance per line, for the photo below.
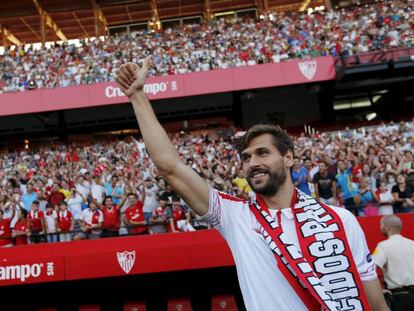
190 186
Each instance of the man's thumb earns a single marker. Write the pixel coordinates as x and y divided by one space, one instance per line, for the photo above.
147 63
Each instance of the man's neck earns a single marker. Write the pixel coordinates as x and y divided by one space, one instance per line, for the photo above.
390 234
282 199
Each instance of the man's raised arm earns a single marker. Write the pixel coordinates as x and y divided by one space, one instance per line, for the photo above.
190 186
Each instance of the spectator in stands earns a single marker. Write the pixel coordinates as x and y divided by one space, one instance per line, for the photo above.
395 257
111 218
114 189
349 197
74 203
5 232
56 196
21 228
403 196
325 185
29 197
51 223
36 223
243 186
123 230
83 186
92 219
10 211
134 216
300 176
65 223
367 205
150 197
385 200
160 216
180 220
97 190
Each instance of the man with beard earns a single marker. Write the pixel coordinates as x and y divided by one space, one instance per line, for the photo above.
395 256
291 252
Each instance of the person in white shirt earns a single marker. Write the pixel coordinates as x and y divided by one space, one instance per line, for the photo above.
395 256
75 203
385 199
150 197
51 216
92 219
83 186
97 190
262 234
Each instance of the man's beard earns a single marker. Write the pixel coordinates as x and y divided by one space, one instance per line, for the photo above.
275 180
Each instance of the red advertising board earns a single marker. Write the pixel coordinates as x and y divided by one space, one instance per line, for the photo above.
213 81
134 255
32 270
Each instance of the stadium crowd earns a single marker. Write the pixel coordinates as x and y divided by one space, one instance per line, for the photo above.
111 188
219 44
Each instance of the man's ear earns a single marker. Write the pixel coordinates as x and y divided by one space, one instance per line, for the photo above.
288 159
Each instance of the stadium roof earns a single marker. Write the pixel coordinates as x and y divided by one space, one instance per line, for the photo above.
20 20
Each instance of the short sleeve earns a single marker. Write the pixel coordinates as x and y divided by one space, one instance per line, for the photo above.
359 248
394 189
213 216
380 257
223 209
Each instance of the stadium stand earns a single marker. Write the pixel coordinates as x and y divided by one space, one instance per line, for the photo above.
220 44
58 189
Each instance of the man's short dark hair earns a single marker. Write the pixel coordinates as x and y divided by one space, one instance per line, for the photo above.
281 140
36 202
132 194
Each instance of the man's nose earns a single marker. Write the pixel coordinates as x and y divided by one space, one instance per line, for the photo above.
254 161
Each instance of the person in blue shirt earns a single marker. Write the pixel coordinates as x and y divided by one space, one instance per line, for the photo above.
300 176
343 180
28 197
114 189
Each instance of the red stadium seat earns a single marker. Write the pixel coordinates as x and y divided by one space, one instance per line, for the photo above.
179 304
223 302
90 308
135 306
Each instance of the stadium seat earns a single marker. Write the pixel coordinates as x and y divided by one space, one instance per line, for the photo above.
90 308
179 304
135 306
223 302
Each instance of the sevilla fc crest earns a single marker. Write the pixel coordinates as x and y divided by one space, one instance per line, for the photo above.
308 69
126 260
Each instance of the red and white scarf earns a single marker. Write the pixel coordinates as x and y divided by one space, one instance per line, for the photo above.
322 272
